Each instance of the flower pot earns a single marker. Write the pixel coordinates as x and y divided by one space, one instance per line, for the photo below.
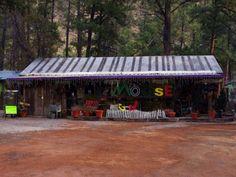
99 113
172 114
194 115
23 113
211 114
75 113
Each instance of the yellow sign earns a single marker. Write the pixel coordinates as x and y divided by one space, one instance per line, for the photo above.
121 107
166 91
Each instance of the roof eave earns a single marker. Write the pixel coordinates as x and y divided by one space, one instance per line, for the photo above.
208 76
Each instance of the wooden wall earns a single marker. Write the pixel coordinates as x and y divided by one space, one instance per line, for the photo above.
40 96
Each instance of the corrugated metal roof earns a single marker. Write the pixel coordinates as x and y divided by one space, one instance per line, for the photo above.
6 74
155 66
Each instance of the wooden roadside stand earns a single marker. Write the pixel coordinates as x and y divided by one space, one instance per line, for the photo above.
122 88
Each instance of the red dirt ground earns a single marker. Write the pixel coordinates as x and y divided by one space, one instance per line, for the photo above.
121 149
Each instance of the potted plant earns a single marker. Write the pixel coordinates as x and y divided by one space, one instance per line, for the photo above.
212 114
172 114
23 113
195 108
23 109
194 114
75 111
100 109
99 113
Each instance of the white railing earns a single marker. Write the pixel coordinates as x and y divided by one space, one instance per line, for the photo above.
136 114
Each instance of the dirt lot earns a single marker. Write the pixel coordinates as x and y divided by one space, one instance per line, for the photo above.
64 148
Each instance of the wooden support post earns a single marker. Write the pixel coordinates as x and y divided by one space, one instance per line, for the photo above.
42 97
23 91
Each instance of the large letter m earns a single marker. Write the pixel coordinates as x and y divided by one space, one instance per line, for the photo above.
120 88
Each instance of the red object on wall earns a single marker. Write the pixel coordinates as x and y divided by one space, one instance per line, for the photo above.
91 103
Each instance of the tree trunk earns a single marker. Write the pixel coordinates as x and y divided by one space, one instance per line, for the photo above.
167 28
99 39
213 34
212 44
228 39
27 23
38 43
14 54
193 42
2 50
44 30
228 68
52 11
165 12
182 32
67 29
90 32
79 32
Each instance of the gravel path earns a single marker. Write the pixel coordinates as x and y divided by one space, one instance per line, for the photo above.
15 125
18 125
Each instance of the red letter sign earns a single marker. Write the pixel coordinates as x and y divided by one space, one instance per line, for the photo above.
168 90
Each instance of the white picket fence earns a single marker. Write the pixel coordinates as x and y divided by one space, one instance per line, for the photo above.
136 114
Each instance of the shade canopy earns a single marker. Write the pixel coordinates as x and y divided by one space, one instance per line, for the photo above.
7 74
123 67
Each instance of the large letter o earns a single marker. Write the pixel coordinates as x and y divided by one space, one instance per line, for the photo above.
134 91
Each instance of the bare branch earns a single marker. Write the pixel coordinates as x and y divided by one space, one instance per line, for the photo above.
162 11
158 14
232 16
229 28
230 10
182 3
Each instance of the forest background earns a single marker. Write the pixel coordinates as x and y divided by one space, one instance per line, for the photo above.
75 28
